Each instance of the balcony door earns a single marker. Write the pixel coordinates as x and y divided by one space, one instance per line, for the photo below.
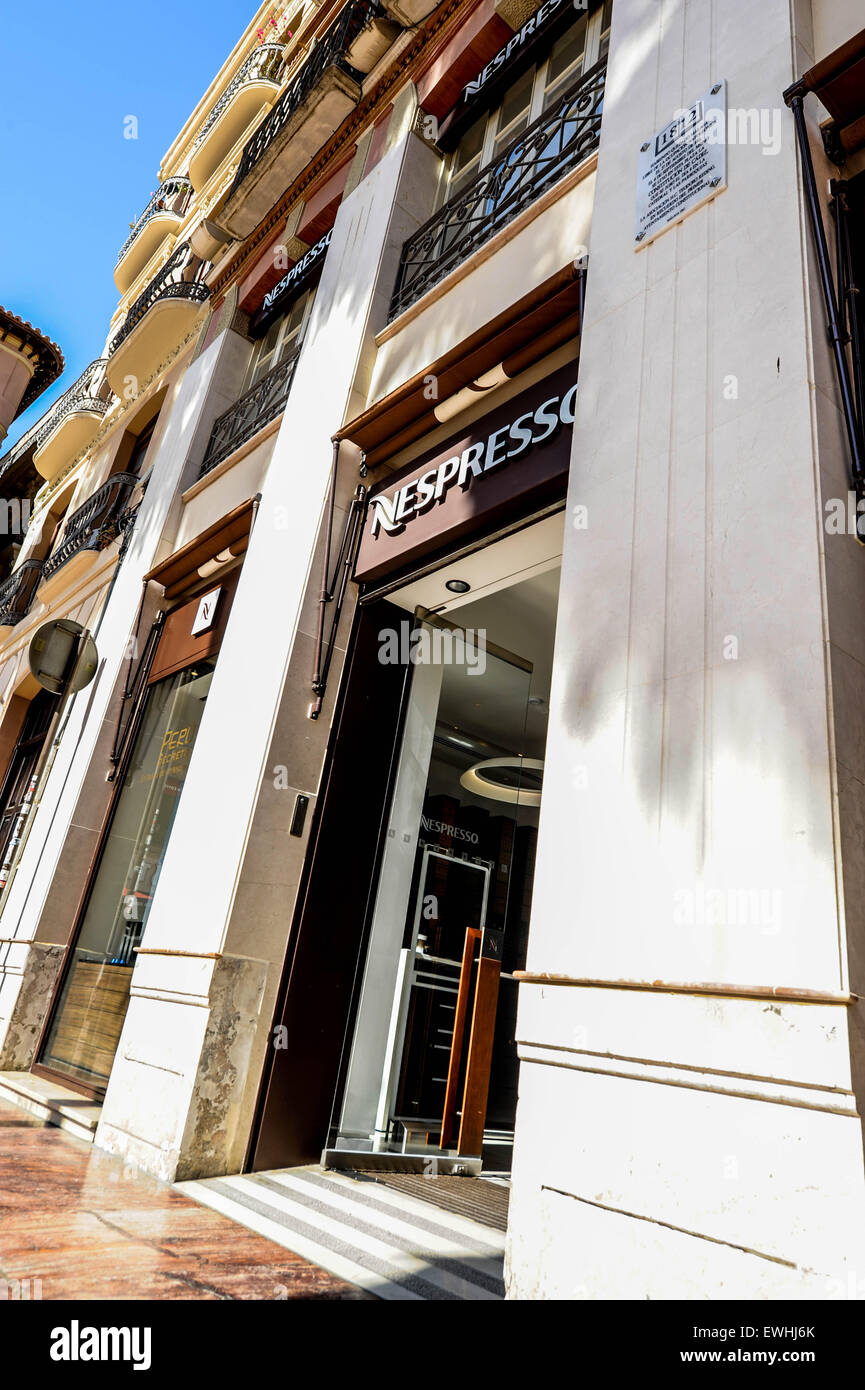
19 784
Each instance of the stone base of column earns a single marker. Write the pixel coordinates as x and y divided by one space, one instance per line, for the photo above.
184 1080
664 1150
29 974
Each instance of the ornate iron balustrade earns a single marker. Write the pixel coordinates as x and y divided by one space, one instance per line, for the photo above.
171 196
93 525
80 396
16 592
329 51
251 413
554 144
127 517
176 280
265 64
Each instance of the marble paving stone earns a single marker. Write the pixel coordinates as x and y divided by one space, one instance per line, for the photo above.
92 1228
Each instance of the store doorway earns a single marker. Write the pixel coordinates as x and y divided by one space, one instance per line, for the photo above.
430 1064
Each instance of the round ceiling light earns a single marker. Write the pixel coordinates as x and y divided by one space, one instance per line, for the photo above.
457 586
513 779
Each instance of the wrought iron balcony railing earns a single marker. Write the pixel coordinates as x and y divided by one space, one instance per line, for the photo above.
94 524
265 64
171 196
178 279
251 413
554 144
82 395
329 51
16 592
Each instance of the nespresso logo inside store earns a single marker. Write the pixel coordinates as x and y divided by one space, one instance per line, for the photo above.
506 457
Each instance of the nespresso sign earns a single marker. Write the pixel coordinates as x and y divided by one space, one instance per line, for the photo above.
525 47
508 57
504 463
277 300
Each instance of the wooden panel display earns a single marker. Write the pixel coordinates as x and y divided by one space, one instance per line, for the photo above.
91 1019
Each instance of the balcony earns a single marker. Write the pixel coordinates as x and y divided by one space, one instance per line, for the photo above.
254 86
550 148
325 88
160 219
251 413
93 526
73 423
158 320
16 592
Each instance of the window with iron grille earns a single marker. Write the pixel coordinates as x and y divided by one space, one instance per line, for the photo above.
544 124
266 385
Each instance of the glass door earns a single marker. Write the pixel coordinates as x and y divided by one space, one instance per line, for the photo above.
431 1065
88 1017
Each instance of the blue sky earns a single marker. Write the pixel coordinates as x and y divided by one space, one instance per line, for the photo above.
71 183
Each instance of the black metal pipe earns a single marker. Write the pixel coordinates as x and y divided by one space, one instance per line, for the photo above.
850 292
323 592
794 99
343 570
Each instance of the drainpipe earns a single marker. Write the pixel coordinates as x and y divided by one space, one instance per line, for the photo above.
324 596
794 97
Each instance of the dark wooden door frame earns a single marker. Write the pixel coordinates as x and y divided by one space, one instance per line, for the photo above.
39 1068
318 995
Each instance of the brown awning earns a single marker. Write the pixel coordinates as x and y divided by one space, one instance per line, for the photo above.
229 534
530 329
839 81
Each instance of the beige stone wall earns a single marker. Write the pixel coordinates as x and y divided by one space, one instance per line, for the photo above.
231 922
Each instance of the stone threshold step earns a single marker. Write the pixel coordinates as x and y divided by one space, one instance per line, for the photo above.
50 1101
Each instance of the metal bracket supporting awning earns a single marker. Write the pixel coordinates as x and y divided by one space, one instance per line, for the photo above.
838 82
334 582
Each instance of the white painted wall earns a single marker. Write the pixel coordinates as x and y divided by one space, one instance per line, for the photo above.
672 770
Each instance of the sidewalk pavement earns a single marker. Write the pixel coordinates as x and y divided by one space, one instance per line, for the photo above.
89 1226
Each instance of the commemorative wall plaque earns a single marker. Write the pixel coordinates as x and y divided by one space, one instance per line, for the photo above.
682 166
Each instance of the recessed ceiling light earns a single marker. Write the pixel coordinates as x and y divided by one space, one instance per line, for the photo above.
512 779
458 586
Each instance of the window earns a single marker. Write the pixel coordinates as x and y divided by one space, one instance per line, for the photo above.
282 338
606 21
531 93
139 449
19 784
545 124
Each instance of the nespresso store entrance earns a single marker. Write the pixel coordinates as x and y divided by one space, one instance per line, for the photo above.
397 1040
431 1064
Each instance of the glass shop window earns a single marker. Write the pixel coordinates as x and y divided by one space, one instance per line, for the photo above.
89 1017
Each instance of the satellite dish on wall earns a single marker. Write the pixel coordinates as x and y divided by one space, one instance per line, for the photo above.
59 659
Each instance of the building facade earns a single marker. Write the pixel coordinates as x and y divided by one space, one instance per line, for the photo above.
472 778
